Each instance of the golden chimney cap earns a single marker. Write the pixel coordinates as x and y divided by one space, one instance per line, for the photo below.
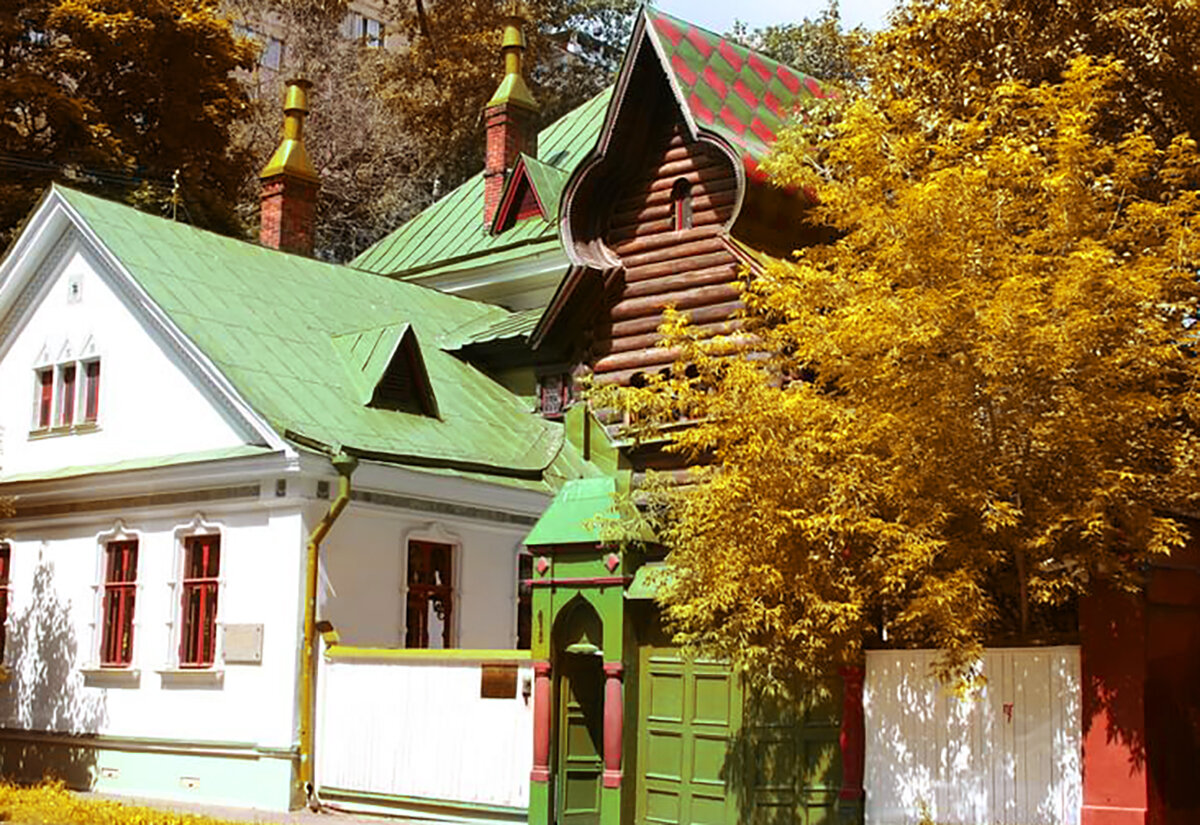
512 88
291 158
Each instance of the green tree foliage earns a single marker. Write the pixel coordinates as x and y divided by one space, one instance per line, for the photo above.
973 403
115 95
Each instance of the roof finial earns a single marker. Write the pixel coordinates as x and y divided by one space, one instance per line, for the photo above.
291 157
512 88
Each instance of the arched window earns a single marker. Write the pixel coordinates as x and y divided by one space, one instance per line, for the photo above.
681 204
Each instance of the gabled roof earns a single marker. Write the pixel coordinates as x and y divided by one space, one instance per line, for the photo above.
453 230
743 96
271 322
529 177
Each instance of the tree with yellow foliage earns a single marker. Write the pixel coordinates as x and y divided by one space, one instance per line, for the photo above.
977 400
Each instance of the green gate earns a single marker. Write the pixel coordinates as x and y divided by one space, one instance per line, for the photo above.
709 754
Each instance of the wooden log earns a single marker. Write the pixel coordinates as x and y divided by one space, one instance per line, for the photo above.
684 299
661 196
608 346
639 359
656 235
673 283
675 252
673 170
702 315
643 212
677 266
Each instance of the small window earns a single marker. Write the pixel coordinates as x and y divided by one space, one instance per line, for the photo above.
66 395
554 394
120 592
5 565
681 204
43 398
198 628
524 601
366 30
430 604
91 391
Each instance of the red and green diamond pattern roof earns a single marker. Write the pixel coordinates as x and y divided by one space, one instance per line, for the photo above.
741 95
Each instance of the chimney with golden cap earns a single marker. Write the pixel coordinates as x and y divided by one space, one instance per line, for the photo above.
289 182
511 120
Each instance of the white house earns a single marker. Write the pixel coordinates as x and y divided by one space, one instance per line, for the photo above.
183 417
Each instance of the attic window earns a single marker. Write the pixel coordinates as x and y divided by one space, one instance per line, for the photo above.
404 384
681 204
554 394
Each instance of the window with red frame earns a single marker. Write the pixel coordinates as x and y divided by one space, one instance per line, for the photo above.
91 391
430 606
66 395
198 629
681 204
120 591
44 389
5 559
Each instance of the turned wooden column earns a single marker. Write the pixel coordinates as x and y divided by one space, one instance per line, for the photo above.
542 707
614 721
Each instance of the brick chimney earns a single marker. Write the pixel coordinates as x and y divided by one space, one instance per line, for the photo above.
289 182
510 117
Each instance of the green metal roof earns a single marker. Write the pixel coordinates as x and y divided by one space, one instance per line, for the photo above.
548 182
573 515
453 228
272 323
482 330
744 96
646 581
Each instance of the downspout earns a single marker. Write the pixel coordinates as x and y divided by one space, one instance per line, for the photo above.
308 661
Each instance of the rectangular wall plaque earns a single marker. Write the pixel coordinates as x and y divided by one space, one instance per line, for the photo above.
243 644
498 681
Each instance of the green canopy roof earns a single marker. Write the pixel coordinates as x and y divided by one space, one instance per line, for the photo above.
287 332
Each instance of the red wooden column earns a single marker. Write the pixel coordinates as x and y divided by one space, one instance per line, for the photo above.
541 722
614 722
852 738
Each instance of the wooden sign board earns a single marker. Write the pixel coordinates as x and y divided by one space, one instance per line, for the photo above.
498 681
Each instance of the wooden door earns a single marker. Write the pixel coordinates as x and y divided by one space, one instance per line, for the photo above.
580 739
688 712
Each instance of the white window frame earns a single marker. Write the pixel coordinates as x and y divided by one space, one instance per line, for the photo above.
434 533
198 526
118 532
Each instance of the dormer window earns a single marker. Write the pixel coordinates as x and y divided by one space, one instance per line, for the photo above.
681 204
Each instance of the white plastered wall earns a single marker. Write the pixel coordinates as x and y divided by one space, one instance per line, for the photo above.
53 639
364 570
149 406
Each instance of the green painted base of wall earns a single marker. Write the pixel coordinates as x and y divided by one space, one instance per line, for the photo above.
228 774
417 808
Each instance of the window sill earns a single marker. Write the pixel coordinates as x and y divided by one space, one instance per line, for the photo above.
55 432
100 676
198 676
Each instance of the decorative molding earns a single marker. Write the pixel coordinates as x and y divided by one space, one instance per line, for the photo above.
133 502
442 507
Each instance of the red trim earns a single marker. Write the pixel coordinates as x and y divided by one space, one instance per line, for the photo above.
91 391
46 400
542 707
614 723
597 580
120 594
852 738
66 395
198 634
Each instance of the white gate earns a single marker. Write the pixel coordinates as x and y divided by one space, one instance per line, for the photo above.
1008 754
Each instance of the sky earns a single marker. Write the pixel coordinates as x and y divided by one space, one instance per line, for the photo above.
718 15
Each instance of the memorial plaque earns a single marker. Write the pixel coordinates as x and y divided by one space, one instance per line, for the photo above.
498 681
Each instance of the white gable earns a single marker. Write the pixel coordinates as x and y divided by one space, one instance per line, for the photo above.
148 405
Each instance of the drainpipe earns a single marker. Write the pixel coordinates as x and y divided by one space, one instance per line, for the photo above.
345 466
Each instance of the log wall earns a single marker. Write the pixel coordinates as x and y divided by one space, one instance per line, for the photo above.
689 269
